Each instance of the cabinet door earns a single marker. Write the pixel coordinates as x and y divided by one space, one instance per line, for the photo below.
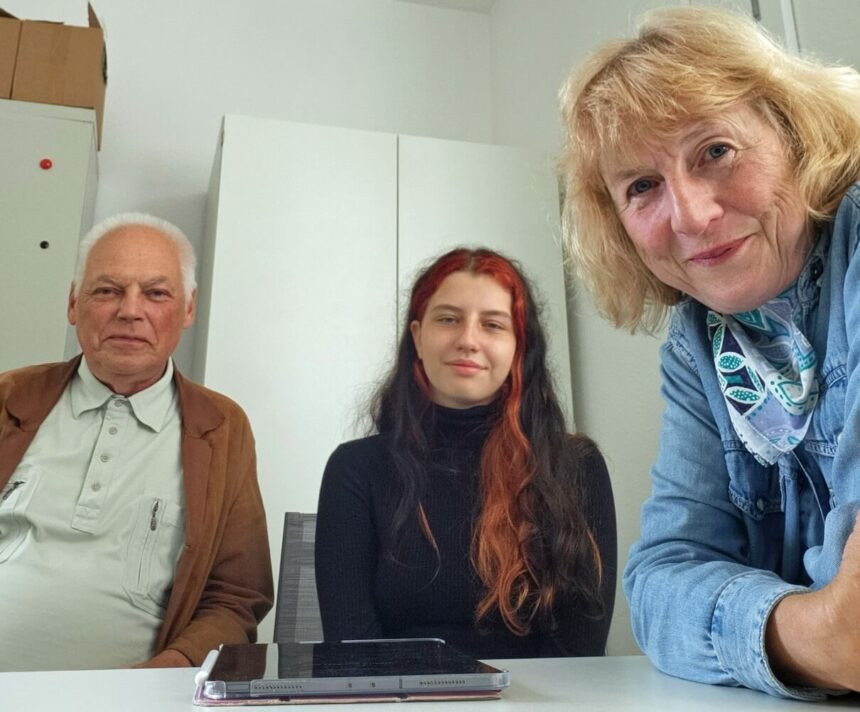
44 207
301 315
455 193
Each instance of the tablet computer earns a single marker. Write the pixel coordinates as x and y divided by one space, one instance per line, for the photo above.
412 667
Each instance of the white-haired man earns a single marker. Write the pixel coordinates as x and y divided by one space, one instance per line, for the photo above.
132 530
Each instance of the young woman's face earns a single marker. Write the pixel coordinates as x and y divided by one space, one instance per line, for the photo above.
466 340
714 213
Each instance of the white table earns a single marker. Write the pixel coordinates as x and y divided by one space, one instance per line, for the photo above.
593 684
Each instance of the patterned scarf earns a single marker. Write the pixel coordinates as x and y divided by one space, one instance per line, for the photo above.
766 369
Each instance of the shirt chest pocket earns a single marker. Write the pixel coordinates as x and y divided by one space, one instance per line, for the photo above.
15 499
154 547
828 418
753 489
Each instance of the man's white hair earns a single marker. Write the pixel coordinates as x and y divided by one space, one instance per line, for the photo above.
187 258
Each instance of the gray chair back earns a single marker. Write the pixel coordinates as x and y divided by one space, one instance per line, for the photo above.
297 612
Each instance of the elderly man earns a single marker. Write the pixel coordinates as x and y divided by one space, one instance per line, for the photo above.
132 530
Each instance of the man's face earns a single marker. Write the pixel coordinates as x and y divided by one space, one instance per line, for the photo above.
131 307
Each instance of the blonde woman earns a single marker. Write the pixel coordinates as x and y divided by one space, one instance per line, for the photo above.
714 176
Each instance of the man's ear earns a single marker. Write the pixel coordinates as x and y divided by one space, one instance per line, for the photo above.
190 310
71 314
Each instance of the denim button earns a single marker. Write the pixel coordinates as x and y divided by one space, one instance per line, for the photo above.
760 504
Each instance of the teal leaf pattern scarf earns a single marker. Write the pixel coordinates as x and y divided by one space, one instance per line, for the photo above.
766 370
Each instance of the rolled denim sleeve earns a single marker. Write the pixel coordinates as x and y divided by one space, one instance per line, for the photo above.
738 632
699 609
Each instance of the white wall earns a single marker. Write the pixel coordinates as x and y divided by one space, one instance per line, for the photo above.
828 29
174 68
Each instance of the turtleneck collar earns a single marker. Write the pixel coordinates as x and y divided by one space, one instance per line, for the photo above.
453 422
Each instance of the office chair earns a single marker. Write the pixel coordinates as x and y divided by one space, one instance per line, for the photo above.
297 612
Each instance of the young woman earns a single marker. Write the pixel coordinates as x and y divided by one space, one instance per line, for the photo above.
471 514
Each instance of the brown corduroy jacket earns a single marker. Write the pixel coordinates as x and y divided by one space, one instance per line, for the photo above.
223 584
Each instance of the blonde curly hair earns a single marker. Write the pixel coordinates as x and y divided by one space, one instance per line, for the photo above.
688 64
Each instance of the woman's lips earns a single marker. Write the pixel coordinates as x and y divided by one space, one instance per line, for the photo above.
465 367
719 253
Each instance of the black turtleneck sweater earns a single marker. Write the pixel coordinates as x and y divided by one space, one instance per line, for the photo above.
365 592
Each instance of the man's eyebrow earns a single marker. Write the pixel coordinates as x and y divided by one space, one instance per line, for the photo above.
155 280
106 278
152 282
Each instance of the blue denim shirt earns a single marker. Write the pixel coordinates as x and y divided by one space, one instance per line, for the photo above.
725 538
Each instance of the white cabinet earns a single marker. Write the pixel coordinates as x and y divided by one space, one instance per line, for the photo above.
48 177
313 237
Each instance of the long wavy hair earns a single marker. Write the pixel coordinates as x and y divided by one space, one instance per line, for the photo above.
686 64
531 545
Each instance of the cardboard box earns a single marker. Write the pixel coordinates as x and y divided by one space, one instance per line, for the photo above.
10 32
58 64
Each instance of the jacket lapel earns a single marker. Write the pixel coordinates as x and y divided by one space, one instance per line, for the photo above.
29 401
199 417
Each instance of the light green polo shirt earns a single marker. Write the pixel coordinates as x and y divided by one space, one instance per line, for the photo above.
91 528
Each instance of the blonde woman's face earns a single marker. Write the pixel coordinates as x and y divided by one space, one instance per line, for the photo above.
713 211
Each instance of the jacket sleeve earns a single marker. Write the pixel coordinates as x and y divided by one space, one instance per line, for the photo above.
346 551
698 611
238 589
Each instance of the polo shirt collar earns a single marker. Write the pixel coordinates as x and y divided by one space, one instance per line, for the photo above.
150 406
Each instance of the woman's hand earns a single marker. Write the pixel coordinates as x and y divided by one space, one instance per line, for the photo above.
813 639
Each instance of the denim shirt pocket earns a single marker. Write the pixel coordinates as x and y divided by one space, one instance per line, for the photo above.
753 488
15 498
822 439
828 419
153 551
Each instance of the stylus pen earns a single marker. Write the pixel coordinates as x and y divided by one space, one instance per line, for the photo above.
202 674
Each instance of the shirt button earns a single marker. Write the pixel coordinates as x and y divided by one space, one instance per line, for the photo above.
96 486
104 458
113 430
760 504
118 403
816 269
